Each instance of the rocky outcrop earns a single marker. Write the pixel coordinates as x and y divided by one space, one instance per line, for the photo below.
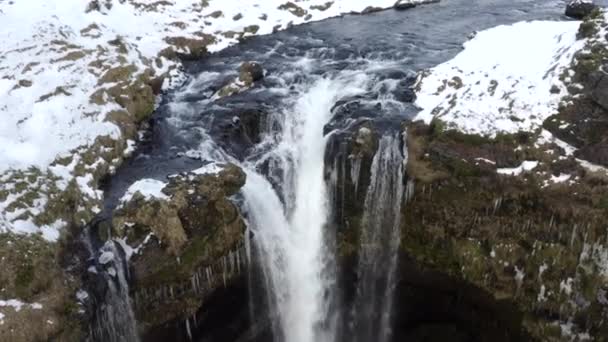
35 289
249 73
188 245
583 116
579 9
539 246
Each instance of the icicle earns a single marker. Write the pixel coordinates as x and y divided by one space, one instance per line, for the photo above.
224 269
208 273
409 191
574 229
355 173
188 329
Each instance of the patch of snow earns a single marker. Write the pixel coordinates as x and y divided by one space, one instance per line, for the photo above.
495 85
565 286
563 177
211 168
149 188
546 137
592 167
527 165
17 305
486 161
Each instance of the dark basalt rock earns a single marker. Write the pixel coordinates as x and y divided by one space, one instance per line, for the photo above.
579 9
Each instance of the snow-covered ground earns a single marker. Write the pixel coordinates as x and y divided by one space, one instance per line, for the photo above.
505 80
60 62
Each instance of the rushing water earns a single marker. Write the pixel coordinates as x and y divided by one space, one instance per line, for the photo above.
114 321
380 243
360 62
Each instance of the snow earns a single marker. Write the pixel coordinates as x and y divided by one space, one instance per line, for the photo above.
527 165
502 81
53 56
563 177
17 305
148 188
592 167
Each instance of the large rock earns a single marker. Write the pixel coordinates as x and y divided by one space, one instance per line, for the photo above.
189 244
250 72
579 9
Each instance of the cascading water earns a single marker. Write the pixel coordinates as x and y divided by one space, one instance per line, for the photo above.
379 243
290 236
114 321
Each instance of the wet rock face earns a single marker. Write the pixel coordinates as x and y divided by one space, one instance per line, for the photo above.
579 9
237 130
348 159
188 246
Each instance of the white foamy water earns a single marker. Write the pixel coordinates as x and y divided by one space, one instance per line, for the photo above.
291 235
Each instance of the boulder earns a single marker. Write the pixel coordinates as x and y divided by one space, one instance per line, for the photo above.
579 9
250 72
403 5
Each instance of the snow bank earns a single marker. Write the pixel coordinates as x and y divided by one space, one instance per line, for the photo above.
149 188
527 165
505 80
60 60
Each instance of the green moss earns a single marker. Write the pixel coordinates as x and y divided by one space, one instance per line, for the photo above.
588 29
23 279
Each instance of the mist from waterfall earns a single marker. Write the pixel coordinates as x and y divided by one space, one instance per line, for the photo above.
380 236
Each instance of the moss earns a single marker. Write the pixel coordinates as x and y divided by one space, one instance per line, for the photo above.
588 29
253 29
293 9
23 279
118 74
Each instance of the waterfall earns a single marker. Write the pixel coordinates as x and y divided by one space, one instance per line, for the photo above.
290 234
114 318
379 243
